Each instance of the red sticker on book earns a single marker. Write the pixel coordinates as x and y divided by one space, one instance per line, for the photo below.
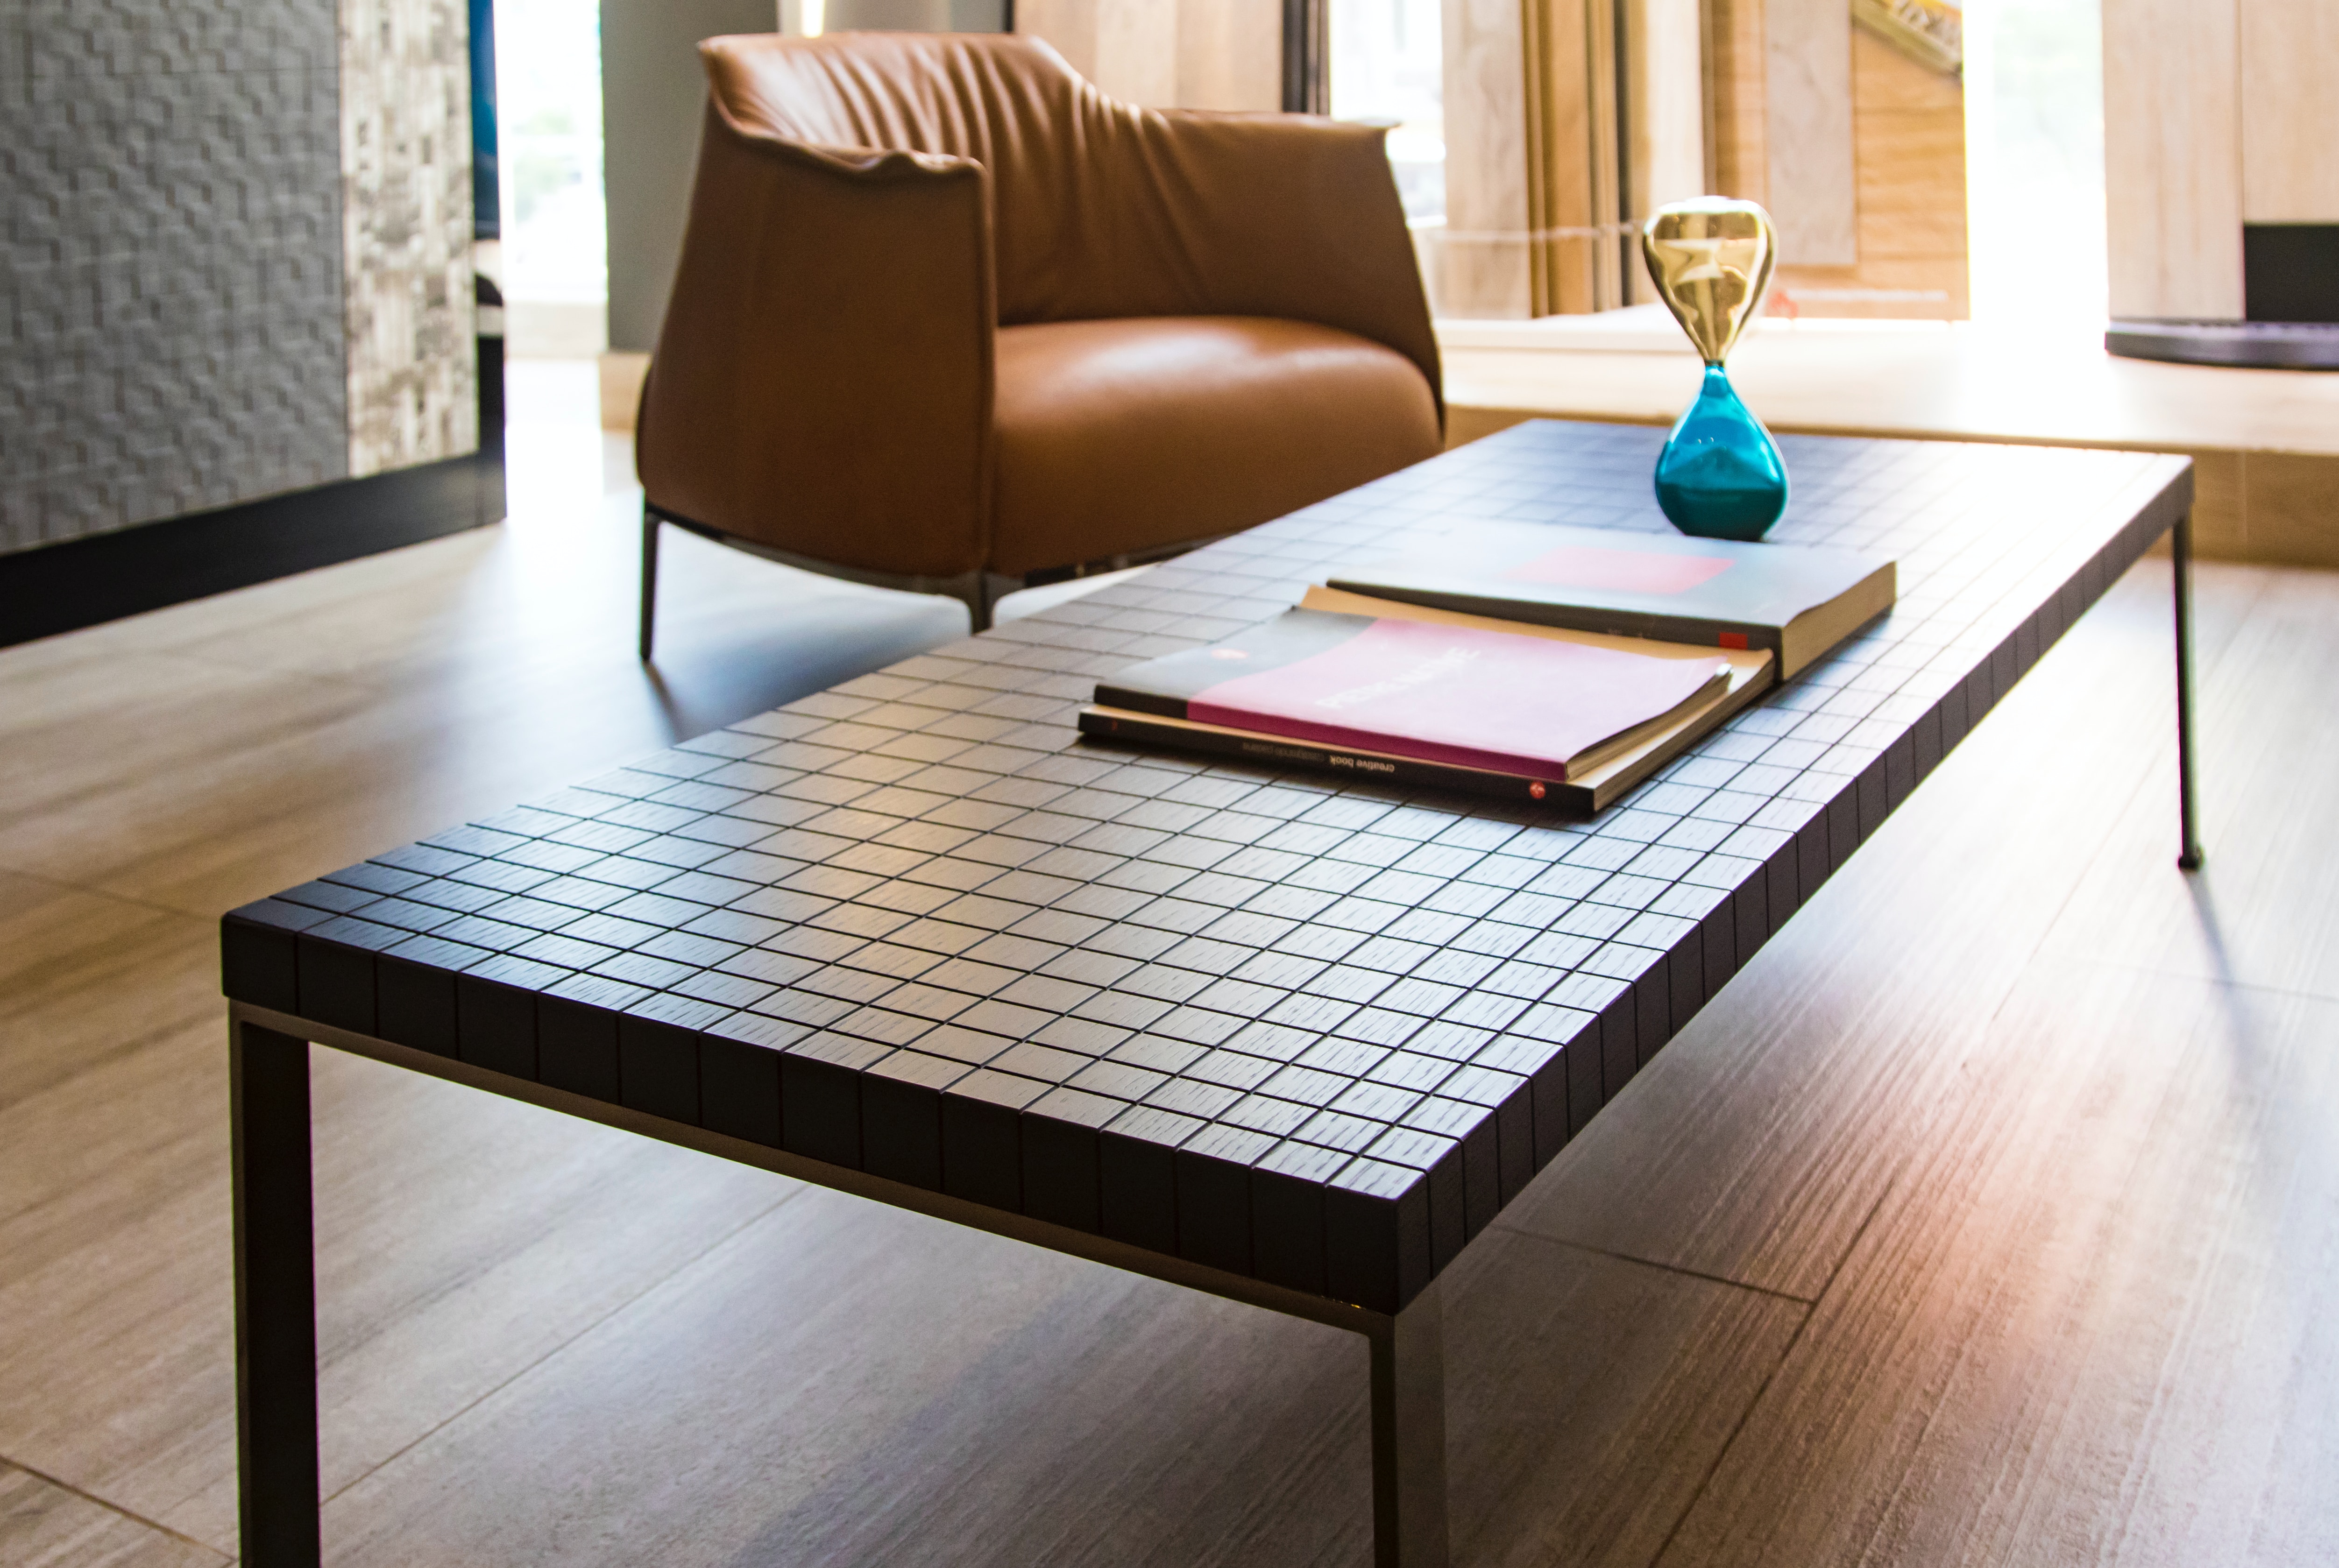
1732 639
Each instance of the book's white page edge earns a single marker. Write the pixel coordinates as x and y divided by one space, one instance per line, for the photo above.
1662 544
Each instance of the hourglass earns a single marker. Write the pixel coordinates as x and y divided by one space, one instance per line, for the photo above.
1719 475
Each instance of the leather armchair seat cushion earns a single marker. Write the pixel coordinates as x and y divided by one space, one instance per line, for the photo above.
1114 436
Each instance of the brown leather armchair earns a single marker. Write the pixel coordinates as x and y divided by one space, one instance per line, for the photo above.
948 318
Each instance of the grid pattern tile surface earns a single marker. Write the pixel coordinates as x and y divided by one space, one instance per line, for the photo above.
1289 1026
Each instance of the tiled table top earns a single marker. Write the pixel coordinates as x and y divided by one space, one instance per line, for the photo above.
1297 1028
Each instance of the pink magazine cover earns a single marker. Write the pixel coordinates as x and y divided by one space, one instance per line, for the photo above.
1458 695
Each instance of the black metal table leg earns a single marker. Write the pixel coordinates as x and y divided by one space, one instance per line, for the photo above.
2180 547
649 581
1410 1436
275 1298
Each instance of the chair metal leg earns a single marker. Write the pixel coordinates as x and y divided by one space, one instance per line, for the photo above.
275 1298
2180 549
650 580
1410 1436
980 592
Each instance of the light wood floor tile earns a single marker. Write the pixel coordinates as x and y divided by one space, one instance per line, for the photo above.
461 1238
1589 1396
1760 1139
42 1525
2265 909
845 1383
63 752
2096 1323
540 596
85 977
291 728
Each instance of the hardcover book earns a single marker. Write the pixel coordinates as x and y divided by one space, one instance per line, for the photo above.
1411 694
1795 600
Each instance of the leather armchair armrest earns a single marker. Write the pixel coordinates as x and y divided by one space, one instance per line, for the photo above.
822 380
1300 218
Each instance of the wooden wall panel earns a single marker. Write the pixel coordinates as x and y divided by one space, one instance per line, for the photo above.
1069 24
1483 263
1168 53
1909 171
1909 139
1533 208
1808 129
1738 158
1136 53
2172 156
884 16
1230 54
2289 53
1574 157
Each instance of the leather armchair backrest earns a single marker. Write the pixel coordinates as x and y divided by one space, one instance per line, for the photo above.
1096 211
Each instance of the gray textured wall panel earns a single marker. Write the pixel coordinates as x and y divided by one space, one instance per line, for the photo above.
171 296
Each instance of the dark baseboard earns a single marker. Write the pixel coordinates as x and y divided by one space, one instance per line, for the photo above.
64 588
2290 271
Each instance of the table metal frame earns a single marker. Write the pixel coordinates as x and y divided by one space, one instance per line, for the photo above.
275 1287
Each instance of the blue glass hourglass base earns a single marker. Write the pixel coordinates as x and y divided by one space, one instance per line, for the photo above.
1721 475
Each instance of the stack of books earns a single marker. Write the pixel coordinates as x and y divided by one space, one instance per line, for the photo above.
1552 665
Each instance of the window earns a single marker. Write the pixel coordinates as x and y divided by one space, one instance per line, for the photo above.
2035 162
555 234
1387 65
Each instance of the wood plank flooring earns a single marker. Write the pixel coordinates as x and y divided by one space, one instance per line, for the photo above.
1989 1216
44 1525
1757 1143
2093 1323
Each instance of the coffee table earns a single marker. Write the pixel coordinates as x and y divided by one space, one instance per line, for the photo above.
1290 1039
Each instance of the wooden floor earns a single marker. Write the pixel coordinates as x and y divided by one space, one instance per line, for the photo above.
1991 1215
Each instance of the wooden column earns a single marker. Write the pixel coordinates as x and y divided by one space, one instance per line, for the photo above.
1908 142
1534 204
2289 50
1482 259
2173 156
2217 113
1737 87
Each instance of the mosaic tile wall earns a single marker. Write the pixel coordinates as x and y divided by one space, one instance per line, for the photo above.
170 334
406 232
178 328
